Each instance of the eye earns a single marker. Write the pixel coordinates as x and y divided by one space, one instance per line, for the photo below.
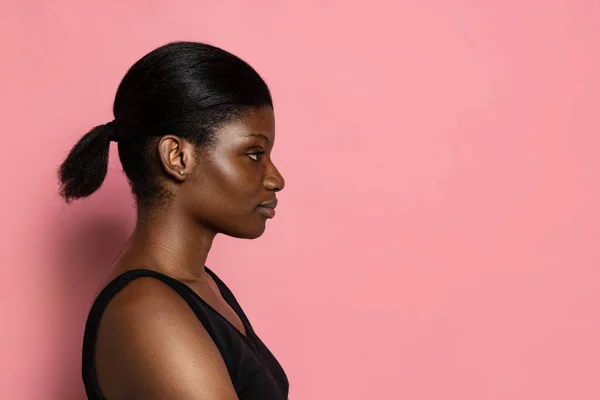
256 155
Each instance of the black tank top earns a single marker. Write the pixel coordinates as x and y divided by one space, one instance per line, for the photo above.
254 371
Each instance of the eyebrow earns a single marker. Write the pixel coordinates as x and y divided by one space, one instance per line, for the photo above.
259 135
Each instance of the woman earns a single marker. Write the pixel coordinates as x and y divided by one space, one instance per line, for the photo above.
195 130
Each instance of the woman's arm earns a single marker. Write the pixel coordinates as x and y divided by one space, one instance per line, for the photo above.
152 346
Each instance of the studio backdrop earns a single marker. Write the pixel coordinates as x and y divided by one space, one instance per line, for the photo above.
438 234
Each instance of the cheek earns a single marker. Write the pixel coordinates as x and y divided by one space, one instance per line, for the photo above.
230 182
237 176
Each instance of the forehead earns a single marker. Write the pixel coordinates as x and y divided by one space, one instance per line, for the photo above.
253 123
261 118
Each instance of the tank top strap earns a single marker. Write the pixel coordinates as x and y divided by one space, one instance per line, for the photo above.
232 301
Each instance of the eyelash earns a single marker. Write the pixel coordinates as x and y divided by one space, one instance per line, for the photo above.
257 154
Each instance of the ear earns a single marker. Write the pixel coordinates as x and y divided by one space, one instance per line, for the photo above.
176 156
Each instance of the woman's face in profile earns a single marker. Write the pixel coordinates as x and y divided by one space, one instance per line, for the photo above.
234 184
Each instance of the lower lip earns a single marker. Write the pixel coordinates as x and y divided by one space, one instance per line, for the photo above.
267 212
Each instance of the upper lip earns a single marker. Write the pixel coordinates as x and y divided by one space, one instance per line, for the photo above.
269 204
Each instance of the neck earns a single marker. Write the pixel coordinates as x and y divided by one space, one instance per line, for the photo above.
169 243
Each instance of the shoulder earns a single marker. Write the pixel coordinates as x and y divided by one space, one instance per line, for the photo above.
150 345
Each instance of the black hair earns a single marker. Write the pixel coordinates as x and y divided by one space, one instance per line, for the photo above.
182 88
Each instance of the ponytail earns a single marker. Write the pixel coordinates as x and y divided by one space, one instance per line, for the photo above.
84 169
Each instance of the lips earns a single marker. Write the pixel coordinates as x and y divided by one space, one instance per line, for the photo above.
267 209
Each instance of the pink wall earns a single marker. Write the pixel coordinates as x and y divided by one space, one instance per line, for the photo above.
438 236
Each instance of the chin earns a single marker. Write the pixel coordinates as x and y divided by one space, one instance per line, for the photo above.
247 232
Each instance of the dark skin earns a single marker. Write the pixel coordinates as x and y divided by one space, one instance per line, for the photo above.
150 344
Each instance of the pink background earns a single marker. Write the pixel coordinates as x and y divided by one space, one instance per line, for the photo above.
438 236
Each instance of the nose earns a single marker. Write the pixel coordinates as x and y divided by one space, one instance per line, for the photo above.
273 182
